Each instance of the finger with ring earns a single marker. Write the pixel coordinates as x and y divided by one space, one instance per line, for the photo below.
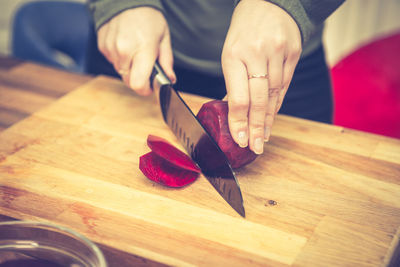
252 76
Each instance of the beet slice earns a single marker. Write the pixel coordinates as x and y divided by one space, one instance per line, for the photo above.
170 153
213 116
164 172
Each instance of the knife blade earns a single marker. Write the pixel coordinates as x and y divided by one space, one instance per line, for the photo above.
201 147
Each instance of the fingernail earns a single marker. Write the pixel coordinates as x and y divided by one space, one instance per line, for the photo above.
267 133
242 139
258 145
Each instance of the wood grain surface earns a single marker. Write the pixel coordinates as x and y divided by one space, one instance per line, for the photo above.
47 83
27 89
320 195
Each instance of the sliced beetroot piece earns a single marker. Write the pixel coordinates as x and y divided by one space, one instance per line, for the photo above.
170 153
213 116
167 165
164 172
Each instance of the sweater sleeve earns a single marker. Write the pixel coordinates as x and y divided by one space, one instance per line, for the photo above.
104 10
308 14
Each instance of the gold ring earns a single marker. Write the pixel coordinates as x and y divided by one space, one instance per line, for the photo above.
265 76
123 72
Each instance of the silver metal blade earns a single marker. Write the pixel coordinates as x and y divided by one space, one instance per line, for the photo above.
201 147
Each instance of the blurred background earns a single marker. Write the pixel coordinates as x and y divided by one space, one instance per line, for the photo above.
362 42
8 9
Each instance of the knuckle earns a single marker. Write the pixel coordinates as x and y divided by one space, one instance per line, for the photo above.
102 47
230 52
239 105
257 46
147 45
256 124
237 124
258 107
122 47
138 85
270 112
295 52
237 120
269 119
286 82
279 42
108 47
275 91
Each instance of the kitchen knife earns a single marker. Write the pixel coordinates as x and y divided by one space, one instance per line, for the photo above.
198 143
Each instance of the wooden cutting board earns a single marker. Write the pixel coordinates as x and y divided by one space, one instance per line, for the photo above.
320 195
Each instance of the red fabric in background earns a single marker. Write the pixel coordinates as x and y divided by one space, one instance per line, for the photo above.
367 88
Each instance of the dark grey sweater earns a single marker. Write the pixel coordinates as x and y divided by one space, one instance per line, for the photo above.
198 27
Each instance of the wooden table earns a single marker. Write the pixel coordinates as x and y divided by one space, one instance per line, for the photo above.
320 195
26 87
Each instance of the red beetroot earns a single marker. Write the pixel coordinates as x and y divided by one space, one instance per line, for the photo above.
213 116
167 165
164 172
165 150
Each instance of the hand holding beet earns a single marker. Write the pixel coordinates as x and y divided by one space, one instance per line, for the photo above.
214 117
263 39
